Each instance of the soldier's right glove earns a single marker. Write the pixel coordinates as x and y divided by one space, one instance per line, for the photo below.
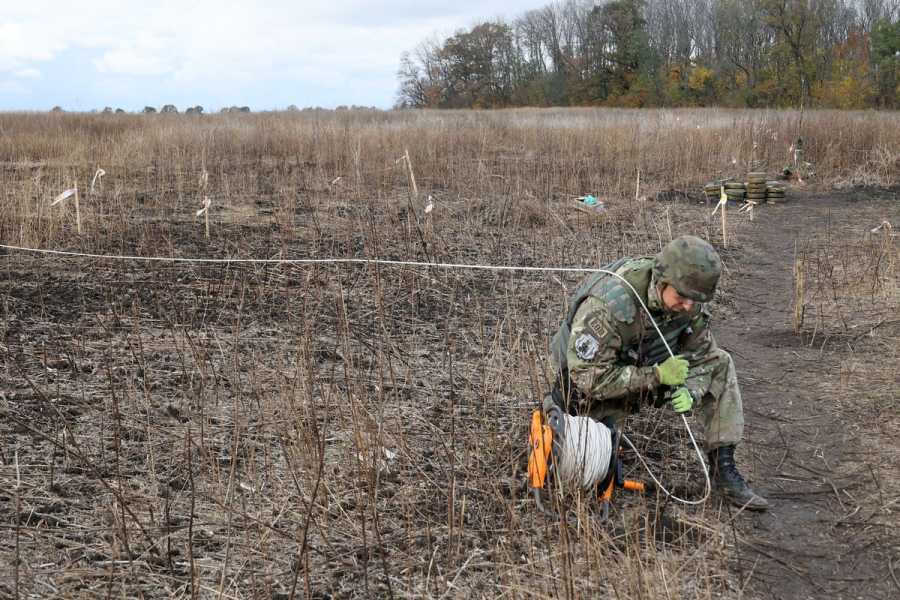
672 371
682 401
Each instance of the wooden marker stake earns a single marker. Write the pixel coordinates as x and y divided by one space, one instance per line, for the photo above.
724 224
205 212
77 211
412 176
723 203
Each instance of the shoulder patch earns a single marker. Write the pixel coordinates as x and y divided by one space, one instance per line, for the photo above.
598 323
586 346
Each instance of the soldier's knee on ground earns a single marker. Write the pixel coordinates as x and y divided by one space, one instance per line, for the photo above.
548 403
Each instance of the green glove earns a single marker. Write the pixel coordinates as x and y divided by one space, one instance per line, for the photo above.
682 401
673 371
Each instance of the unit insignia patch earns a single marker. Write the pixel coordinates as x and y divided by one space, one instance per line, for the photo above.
586 346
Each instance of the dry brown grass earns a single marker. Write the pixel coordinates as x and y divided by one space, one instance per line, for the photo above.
276 431
527 156
849 303
847 281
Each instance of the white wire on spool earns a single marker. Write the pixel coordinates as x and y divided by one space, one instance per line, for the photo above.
584 455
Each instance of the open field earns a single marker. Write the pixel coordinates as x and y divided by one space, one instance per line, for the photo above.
247 430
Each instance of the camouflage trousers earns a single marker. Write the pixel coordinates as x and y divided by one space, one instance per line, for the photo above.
717 405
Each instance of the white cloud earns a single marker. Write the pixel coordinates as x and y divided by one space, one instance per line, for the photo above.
27 73
146 55
205 42
13 88
23 43
131 61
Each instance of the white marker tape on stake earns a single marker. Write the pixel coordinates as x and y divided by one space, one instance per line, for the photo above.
723 200
206 204
97 176
748 208
63 196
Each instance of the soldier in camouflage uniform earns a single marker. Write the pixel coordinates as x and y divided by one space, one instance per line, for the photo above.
609 359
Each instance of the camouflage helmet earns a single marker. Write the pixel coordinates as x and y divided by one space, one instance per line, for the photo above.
691 265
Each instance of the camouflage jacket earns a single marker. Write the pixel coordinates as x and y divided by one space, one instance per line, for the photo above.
608 346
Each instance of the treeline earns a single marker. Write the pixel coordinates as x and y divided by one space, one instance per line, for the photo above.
633 53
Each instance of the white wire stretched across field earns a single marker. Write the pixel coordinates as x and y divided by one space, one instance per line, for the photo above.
406 263
296 261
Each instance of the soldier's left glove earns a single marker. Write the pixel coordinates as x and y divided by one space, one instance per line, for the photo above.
673 370
682 401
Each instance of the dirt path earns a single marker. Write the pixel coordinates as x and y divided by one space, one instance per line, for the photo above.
828 534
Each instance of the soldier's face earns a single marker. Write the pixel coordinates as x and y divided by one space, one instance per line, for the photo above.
673 301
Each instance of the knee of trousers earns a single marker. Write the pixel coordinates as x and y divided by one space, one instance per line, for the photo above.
721 359
722 371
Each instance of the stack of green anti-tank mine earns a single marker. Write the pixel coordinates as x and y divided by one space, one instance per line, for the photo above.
712 191
775 192
756 187
736 190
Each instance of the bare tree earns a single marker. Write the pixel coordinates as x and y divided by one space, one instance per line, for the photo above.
529 30
871 12
675 28
743 38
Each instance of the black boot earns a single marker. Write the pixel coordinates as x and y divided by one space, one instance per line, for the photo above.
728 481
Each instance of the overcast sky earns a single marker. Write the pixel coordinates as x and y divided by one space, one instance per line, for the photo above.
266 54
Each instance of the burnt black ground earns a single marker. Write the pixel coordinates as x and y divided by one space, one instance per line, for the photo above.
179 348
